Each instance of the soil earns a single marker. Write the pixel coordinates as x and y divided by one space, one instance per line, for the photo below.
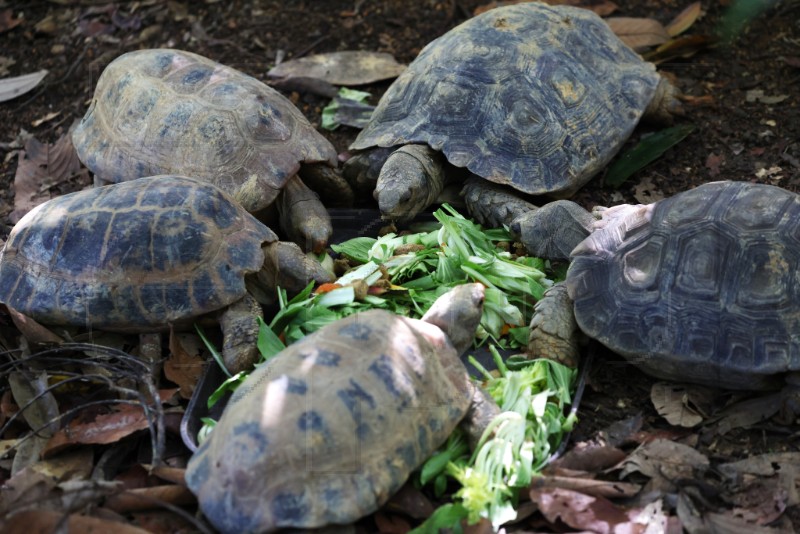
737 136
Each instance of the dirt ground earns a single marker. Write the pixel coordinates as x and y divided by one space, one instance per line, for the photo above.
744 103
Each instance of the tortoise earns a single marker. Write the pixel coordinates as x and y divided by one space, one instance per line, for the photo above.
161 112
534 97
700 287
146 255
327 430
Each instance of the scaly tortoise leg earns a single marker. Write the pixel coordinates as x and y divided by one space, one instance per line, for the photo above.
302 216
239 323
554 332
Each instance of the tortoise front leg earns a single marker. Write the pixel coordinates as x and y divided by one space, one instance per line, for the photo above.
302 216
554 333
239 323
492 204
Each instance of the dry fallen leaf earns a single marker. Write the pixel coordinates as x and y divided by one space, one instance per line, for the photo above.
601 7
590 457
31 330
185 363
40 168
713 164
757 95
588 486
638 33
150 497
761 465
646 191
50 116
664 462
597 514
70 465
38 405
672 402
122 421
33 521
19 85
684 20
411 502
749 412
684 46
7 20
348 67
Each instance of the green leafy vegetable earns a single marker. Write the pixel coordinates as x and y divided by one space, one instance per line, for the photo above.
349 107
648 150
516 445
408 273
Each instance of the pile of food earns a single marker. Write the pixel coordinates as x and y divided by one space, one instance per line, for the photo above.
405 275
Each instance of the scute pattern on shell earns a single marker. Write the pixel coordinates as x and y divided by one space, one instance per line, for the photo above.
303 440
529 95
703 283
173 112
131 257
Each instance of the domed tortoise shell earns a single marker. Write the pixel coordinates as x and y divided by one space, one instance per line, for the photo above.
702 284
167 111
134 256
534 96
330 428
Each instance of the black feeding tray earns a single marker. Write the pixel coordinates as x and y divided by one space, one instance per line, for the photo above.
347 224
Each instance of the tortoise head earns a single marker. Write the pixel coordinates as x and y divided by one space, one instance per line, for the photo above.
457 313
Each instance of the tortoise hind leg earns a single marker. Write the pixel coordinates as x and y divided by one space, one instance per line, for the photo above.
239 323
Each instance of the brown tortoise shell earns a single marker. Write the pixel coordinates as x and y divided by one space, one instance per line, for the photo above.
326 431
533 96
701 287
165 111
134 256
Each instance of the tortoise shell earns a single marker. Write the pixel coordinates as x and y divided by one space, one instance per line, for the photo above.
172 112
533 96
702 284
330 428
134 256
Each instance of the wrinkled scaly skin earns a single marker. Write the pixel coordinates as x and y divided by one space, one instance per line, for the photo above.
286 266
328 183
145 255
239 325
493 205
550 232
554 334
362 170
532 96
699 287
326 431
302 216
167 111
410 180
553 230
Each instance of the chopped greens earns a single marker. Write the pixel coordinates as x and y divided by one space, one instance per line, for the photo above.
405 274
516 445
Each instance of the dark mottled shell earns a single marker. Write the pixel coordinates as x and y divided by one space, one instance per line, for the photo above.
538 97
134 256
702 285
304 442
172 112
